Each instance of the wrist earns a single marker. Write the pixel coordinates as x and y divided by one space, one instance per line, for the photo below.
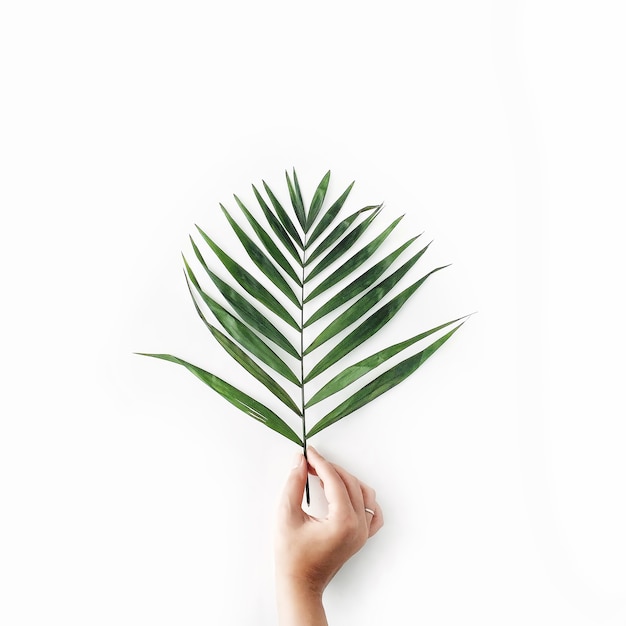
300 585
299 602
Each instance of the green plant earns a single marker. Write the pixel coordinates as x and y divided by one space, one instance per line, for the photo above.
293 255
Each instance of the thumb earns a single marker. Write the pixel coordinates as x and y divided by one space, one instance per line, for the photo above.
293 490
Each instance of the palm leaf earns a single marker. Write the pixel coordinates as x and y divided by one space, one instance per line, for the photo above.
244 360
366 329
250 283
330 215
317 201
245 310
353 263
269 244
343 246
260 260
242 334
363 304
258 372
241 400
283 217
365 366
277 227
341 228
380 385
359 284
296 199
306 236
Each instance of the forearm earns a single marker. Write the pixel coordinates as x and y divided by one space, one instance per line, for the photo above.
297 605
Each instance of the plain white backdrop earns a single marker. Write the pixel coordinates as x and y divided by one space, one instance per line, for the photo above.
132 494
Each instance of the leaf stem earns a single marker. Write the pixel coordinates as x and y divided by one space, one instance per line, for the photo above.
302 398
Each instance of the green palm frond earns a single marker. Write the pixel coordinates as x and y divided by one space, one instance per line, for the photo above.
300 256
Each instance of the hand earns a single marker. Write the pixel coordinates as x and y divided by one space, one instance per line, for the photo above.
310 551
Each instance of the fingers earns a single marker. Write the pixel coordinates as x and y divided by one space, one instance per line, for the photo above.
359 495
377 521
293 490
353 487
364 502
334 487
371 509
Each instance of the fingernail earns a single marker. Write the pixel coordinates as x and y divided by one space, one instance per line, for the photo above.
297 460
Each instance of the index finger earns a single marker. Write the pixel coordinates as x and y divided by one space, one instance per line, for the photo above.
334 487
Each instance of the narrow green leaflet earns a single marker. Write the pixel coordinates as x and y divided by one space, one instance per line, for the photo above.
261 261
352 263
245 310
364 304
244 360
243 335
317 201
360 284
250 283
366 329
283 217
269 244
242 401
330 215
380 385
277 227
296 199
258 372
339 230
365 366
343 246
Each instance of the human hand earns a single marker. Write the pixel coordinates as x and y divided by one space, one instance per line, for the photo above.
310 551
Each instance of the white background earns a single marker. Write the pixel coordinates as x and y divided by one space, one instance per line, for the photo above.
132 494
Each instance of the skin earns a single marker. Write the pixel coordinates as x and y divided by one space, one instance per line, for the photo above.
310 551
